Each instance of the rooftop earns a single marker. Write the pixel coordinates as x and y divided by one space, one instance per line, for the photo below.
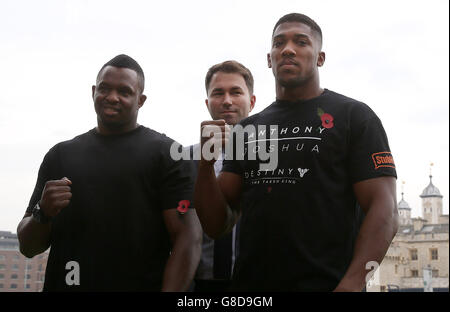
431 190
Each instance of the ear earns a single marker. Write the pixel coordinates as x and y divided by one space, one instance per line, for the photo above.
321 59
93 91
252 102
269 61
142 99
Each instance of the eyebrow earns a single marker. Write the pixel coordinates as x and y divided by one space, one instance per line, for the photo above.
222 89
296 36
120 86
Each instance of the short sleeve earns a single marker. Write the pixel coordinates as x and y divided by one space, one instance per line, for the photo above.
177 181
47 171
235 161
370 155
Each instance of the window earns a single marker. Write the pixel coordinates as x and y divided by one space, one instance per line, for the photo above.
13 286
414 273
1 286
15 267
2 276
435 273
434 254
16 257
40 267
413 254
2 266
14 276
2 257
29 267
396 269
382 288
28 286
28 276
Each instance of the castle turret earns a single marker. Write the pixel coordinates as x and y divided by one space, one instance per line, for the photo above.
431 203
404 211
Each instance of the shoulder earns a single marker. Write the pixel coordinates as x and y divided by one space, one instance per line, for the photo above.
79 139
356 110
343 100
155 136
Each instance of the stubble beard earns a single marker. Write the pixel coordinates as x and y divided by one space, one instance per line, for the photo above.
290 83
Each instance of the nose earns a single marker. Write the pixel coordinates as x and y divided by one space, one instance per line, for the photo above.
227 101
112 97
288 49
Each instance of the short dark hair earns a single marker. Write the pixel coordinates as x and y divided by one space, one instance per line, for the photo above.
300 18
231 67
125 61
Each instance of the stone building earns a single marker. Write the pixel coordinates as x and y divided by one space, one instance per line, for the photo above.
418 258
18 273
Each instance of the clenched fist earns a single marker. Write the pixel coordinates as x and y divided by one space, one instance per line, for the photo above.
55 196
213 138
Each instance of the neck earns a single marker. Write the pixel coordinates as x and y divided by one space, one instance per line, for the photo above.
105 130
306 91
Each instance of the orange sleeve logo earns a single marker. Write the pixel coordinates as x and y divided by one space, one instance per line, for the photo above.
383 159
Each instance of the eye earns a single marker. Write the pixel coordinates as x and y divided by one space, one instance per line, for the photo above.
277 43
125 92
102 89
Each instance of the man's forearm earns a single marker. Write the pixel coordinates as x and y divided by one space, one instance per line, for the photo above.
373 241
212 209
181 265
34 238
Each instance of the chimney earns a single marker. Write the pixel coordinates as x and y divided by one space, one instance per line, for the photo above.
418 223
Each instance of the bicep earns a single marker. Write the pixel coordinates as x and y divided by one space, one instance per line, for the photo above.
181 225
381 189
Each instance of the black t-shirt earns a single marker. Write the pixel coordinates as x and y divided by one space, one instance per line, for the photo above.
299 221
113 226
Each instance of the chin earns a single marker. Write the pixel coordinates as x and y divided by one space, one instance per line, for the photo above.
290 83
111 124
231 121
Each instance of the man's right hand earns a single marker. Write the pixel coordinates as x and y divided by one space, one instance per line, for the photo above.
214 135
56 196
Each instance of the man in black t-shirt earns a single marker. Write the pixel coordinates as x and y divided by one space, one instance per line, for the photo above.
111 203
329 158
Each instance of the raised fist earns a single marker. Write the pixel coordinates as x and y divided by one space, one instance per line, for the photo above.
55 196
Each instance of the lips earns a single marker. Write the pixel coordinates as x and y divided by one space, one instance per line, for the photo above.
288 62
110 110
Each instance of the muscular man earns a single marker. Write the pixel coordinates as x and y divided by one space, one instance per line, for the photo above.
111 203
299 224
229 88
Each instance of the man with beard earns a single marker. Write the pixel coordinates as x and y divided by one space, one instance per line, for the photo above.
299 223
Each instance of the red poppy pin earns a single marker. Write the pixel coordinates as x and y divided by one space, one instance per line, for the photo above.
183 206
327 119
